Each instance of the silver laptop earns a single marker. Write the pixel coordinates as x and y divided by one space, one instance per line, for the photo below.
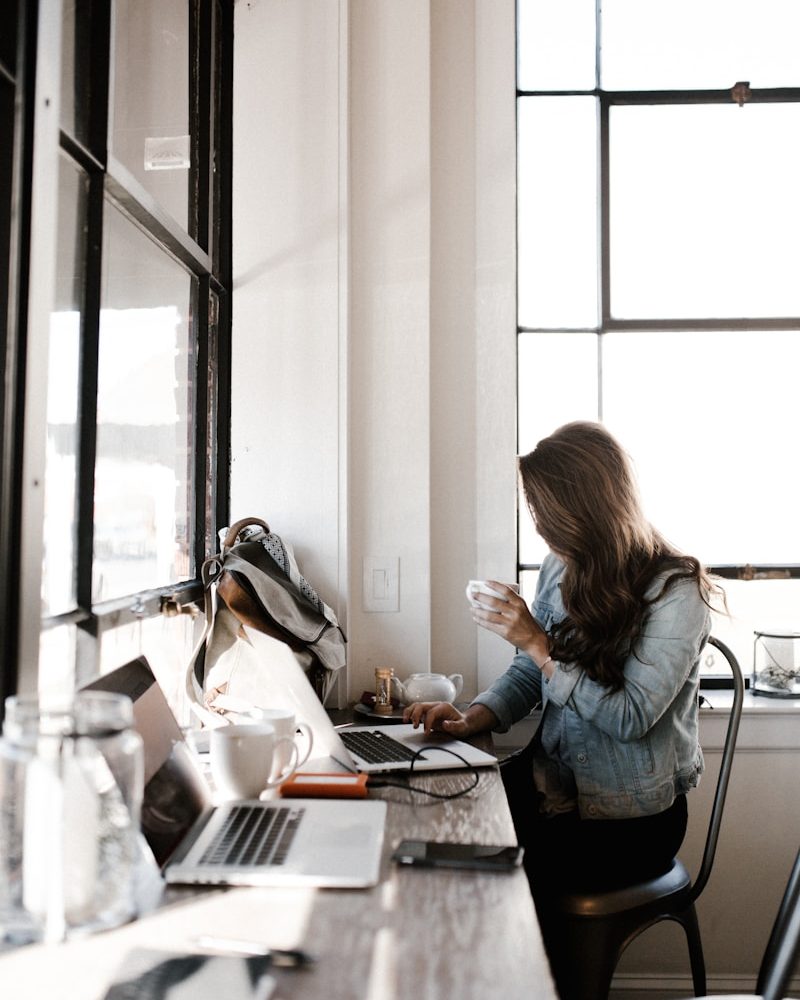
370 749
306 842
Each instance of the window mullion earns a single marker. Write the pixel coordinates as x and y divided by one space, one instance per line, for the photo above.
87 418
604 214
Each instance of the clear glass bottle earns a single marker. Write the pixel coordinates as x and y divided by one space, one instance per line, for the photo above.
71 781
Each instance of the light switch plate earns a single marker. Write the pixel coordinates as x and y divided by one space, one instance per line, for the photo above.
381 583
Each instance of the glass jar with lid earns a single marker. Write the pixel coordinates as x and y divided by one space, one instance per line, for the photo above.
776 663
71 779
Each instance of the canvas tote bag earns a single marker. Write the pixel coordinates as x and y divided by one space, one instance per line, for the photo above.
254 580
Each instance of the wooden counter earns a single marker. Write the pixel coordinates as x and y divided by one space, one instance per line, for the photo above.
418 935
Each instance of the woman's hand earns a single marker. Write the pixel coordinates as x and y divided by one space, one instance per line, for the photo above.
442 717
510 618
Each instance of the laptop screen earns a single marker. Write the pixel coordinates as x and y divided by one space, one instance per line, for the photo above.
175 791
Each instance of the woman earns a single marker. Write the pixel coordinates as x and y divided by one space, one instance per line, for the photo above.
611 649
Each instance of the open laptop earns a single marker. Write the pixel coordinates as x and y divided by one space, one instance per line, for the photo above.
370 749
307 842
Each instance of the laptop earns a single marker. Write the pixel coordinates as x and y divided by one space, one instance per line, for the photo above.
369 749
282 842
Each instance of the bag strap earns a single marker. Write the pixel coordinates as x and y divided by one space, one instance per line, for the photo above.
233 531
209 571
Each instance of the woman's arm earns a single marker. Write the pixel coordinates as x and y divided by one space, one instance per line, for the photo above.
513 695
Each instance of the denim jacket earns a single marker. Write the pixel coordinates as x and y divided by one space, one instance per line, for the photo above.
624 753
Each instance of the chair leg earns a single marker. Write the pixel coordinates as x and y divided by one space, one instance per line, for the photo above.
587 979
689 921
583 956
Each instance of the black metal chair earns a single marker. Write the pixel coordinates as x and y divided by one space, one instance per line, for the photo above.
782 953
594 928
783 948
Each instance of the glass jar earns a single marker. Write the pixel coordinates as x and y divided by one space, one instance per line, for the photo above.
776 663
71 781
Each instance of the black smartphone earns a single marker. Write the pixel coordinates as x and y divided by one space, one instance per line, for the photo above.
437 854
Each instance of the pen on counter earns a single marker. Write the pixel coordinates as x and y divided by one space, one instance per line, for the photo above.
281 958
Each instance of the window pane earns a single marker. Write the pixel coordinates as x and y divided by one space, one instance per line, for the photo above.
556 44
60 505
8 39
652 45
557 383
705 211
149 130
710 419
167 642
527 585
557 204
145 417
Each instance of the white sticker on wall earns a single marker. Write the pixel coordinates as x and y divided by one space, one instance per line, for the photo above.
167 153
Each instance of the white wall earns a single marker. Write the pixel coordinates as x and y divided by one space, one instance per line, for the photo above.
374 323
289 344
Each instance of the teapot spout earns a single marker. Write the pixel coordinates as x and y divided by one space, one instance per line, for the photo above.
399 690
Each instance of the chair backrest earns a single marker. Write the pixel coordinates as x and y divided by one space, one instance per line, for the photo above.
726 764
783 948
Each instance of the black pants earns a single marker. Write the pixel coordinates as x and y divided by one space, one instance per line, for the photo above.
567 852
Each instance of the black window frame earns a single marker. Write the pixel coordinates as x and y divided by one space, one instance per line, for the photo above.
204 251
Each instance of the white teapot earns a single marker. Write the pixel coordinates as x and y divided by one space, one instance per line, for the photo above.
428 687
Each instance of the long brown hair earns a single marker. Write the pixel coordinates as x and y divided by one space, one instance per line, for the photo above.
582 495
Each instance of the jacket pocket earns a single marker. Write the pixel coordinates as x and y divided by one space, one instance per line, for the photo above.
642 758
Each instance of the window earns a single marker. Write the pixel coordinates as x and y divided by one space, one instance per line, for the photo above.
659 239
132 428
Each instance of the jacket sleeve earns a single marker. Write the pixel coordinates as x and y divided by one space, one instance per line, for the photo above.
513 695
668 648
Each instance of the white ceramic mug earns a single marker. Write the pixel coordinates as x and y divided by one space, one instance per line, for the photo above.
243 757
476 587
287 726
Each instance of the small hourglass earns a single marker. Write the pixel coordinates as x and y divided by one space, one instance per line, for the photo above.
383 690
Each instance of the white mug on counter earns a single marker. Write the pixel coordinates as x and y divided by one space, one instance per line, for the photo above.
243 759
287 726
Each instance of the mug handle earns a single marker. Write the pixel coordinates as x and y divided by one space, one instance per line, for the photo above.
305 729
291 767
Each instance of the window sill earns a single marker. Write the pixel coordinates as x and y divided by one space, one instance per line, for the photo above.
722 698
767 723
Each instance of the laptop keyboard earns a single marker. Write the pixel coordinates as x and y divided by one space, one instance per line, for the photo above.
377 748
254 835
